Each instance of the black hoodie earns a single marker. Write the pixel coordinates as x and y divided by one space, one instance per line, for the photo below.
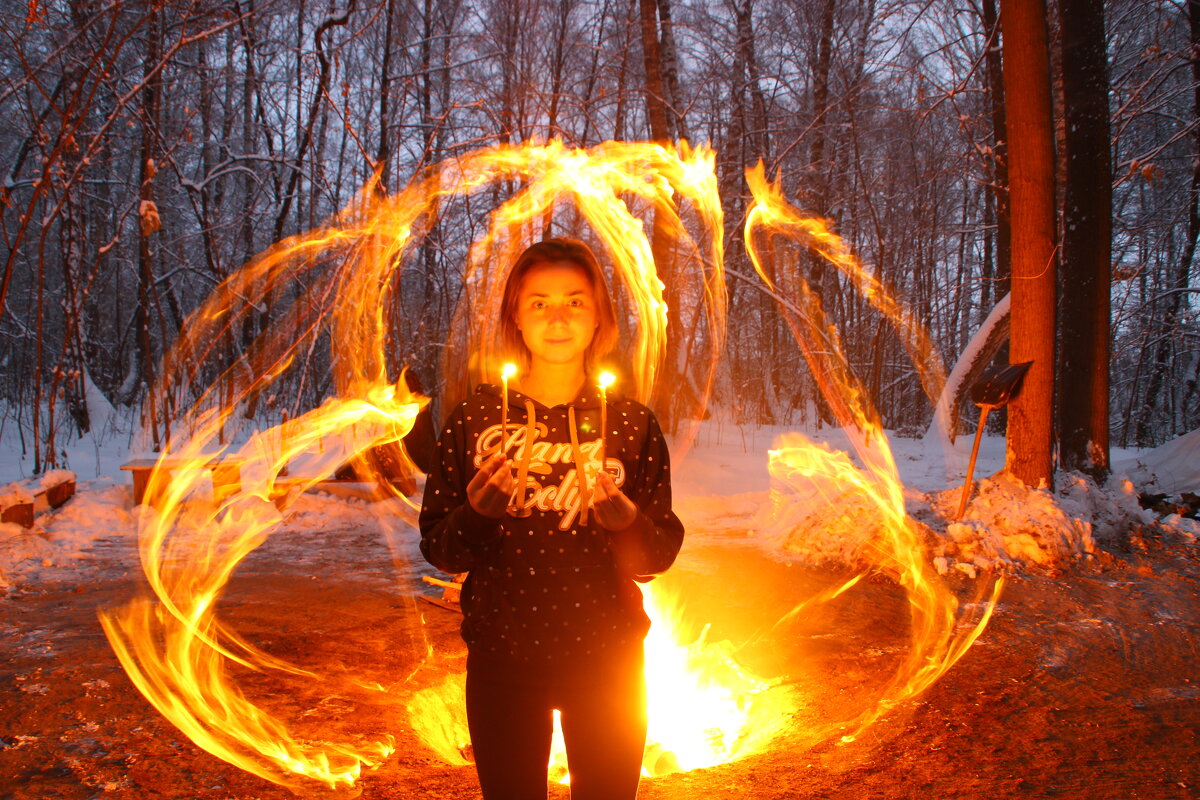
551 586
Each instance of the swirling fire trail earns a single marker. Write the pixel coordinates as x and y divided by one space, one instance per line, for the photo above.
326 297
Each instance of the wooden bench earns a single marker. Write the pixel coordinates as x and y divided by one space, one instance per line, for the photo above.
21 500
451 592
339 487
226 475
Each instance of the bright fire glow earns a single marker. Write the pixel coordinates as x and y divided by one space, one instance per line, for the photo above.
509 370
606 379
799 468
334 289
174 647
704 707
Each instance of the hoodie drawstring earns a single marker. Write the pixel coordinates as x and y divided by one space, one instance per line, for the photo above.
526 453
518 500
581 476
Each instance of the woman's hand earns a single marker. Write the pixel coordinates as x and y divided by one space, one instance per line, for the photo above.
491 487
614 511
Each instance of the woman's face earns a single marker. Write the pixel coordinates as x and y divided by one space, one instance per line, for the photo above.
556 312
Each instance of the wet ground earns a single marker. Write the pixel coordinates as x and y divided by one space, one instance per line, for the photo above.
1086 684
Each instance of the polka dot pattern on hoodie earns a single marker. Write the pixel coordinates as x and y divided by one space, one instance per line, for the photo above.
552 584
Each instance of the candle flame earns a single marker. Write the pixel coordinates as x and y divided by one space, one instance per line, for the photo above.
606 379
508 370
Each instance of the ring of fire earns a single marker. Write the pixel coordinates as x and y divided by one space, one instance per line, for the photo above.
336 284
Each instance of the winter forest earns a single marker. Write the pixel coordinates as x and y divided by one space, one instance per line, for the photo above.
153 148
243 240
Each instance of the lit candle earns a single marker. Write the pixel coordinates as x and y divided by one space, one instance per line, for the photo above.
606 380
506 372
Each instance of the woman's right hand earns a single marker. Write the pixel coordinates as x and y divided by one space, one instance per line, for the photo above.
491 487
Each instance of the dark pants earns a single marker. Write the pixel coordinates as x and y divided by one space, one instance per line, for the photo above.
603 710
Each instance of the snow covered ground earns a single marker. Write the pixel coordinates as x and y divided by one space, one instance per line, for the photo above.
1090 655
722 483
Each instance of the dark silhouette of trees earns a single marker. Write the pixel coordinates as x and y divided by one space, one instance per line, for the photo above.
1085 311
231 126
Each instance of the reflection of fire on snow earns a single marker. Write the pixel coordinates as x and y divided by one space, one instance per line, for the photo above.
704 707
341 281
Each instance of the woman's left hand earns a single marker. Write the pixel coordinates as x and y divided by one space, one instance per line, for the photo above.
614 511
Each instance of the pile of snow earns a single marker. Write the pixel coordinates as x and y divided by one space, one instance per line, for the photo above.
62 538
819 510
1009 525
1171 468
57 477
14 494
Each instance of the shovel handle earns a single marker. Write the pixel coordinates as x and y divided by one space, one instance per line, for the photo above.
984 410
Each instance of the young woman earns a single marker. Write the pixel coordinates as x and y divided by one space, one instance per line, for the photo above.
552 615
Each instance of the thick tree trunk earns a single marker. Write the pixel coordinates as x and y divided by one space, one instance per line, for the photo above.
677 127
667 374
1031 179
823 277
1086 241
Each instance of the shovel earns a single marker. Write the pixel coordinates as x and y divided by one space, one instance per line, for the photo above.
994 389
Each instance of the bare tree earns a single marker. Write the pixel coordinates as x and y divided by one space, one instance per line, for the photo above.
1031 189
1083 395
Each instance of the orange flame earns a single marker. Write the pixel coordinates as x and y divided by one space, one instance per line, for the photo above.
704 708
799 467
175 649
332 287
606 188
335 284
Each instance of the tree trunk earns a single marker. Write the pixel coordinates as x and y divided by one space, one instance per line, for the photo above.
996 280
553 130
656 111
589 93
1031 179
823 277
821 109
383 153
147 222
319 93
677 127
1086 241
758 102
622 75
511 23
656 106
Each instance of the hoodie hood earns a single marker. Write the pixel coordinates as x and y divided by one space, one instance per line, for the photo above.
587 399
